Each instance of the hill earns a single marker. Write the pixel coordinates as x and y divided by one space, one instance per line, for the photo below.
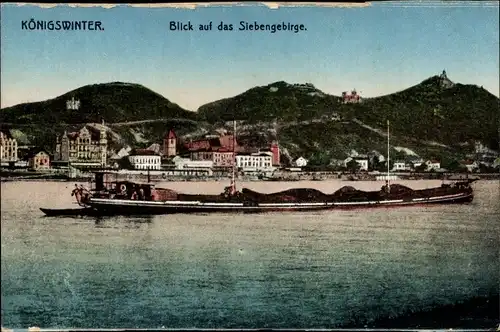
435 117
117 102
448 115
277 101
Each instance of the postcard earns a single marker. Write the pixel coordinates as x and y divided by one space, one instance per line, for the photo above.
250 165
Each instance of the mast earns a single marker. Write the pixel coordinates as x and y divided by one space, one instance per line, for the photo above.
388 153
233 180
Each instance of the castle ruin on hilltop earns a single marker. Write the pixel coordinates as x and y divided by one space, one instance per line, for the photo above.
444 81
352 98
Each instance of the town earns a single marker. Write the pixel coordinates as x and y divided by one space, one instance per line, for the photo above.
77 153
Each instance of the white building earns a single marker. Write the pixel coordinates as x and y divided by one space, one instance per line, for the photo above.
416 162
186 163
8 148
301 162
471 165
262 161
400 166
145 159
432 164
362 162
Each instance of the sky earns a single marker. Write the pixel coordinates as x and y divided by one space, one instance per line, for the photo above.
377 49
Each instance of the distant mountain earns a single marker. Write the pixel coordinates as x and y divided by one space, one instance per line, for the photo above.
445 113
434 118
276 101
430 117
116 102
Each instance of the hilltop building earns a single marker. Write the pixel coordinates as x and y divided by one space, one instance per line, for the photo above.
444 81
352 98
8 148
86 147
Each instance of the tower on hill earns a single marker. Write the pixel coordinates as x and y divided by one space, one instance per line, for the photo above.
444 81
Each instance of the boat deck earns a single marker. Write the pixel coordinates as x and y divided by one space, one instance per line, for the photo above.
128 206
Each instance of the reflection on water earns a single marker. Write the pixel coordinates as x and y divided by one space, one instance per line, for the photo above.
120 221
316 270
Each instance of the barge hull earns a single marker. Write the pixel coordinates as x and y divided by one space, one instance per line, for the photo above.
129 207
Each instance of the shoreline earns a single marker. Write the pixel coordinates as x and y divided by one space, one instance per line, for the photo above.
143 178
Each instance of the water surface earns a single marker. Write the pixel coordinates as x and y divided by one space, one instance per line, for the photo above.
293 270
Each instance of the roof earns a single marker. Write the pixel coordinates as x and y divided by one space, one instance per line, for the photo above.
95 134
7 134
468 162
171 134
133 182
154 147
34 151
205 144
261 154
143 152
222 149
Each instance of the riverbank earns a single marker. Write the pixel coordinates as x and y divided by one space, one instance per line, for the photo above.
6 176
474 313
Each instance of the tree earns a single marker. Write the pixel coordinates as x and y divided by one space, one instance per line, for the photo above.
373 162
319 159
353 166
454 166
421 168
486 168
382 167
125 163
398 155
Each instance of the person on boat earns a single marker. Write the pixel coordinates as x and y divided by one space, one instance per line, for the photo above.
387 188
134 195
232 188
80 197
141 194
75 191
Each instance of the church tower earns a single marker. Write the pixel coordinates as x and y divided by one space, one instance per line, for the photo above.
275 150
57 155
170 144
103 145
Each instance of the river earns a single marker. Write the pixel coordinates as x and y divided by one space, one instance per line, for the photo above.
277 270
